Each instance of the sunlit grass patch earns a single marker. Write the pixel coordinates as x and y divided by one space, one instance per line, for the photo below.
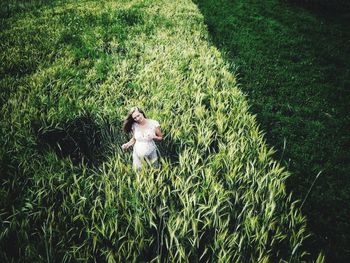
218 195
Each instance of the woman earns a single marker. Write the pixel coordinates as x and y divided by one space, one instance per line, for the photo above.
145 132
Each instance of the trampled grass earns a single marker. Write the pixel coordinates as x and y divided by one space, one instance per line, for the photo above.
70 72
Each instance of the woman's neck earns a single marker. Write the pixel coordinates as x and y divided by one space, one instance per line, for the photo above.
143 122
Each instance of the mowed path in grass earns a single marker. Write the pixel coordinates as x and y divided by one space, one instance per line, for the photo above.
70 70
294 65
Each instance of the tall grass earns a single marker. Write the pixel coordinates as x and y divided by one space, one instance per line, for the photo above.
294 64
70 71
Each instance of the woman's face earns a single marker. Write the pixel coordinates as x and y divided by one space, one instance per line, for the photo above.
138 116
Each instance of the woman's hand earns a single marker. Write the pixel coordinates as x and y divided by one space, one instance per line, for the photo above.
158 135
125 146
152 136
156 138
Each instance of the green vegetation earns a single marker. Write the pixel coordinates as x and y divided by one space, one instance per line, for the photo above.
325 5
293 63
70 70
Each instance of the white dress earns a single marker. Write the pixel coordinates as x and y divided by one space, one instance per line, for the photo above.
144 148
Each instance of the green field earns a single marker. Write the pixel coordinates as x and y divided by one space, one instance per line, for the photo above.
70 71
293 62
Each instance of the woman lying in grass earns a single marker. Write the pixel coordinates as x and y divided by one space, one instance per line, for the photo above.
144 131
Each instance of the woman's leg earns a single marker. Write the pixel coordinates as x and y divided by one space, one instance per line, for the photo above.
136 162
152 158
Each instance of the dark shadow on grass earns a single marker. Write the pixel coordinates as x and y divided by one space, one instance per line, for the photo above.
330 8
82 140
293 63
169 149
9 8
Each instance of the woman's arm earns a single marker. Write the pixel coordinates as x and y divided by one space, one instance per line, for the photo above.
129 143
159 135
